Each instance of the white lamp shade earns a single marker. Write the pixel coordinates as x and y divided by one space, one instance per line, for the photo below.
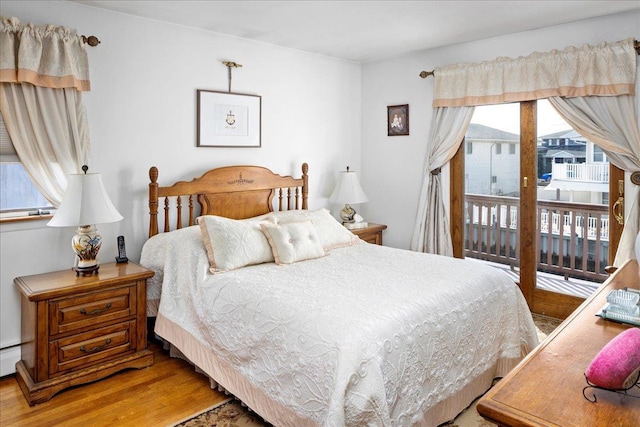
85 202
348 190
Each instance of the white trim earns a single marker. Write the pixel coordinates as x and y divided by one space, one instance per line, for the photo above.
8 359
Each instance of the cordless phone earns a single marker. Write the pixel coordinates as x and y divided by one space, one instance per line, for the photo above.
122 251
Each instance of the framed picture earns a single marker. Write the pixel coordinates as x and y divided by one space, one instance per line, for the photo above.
228 119
398 120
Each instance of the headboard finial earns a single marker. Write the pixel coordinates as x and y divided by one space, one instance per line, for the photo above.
153 174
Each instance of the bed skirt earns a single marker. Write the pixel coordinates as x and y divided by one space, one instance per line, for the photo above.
222 376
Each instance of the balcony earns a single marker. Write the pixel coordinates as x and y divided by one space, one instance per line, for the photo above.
572 240
593 177
585 172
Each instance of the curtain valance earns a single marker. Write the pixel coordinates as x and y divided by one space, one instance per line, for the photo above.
46 56
604 70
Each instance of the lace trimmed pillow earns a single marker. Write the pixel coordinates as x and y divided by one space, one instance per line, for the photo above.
331 233
232 244
293 242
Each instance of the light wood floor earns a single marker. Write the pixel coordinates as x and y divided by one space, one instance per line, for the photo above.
164 393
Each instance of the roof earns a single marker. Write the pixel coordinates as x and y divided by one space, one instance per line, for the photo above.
566 134
563 154
481 132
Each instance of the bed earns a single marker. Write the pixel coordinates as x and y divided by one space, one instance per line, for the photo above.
315 327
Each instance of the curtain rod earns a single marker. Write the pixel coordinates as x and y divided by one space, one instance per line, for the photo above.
91 40
425 74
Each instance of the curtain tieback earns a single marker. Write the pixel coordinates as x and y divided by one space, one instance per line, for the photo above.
436 171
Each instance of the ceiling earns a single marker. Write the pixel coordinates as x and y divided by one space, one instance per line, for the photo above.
366 31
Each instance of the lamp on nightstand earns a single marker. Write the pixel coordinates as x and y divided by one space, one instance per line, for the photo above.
85 203
349 192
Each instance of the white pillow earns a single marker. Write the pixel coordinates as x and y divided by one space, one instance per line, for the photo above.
232 244
332 234
293 242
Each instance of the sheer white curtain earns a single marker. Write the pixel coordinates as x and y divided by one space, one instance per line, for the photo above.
49 132
42 71
431 232
611 123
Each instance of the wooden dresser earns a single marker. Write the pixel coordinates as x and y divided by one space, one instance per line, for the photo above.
371 234
79 329
545 389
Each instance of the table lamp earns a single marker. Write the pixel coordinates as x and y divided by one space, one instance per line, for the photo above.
349 191
85 204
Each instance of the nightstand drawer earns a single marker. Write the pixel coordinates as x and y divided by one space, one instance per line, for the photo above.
370 234
90 309
82 350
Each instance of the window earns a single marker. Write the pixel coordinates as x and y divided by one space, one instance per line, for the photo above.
18 195
498 148
512 148
469 147
598 154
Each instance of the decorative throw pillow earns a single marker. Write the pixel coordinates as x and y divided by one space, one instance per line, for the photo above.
293 242
232 244
332 234
616 366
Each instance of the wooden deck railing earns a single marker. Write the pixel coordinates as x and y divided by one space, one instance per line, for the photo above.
572 240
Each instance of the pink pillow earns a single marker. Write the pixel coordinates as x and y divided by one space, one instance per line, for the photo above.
616 366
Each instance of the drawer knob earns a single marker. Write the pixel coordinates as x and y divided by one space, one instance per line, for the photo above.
96 311
98 348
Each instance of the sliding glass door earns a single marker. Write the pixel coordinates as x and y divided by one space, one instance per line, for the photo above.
531 196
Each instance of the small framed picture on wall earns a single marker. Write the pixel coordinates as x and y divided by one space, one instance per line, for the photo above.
398 120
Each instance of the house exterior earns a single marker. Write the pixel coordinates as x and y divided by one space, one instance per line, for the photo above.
492 159
578 168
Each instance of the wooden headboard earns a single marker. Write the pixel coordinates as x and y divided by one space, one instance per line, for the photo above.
236 192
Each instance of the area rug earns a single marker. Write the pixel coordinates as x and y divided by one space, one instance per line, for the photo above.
231 412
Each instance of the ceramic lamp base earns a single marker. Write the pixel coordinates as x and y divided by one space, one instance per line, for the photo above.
87 271
347 213
86 244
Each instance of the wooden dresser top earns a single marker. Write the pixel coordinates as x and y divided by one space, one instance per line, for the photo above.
546 388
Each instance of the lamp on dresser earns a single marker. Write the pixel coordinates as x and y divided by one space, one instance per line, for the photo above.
85 204
349 192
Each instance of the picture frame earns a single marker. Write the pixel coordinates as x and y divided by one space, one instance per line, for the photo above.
398 120
227 119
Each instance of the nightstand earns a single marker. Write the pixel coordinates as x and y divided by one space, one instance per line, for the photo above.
371 234
79 329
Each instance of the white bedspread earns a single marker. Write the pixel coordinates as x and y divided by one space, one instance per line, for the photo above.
367 335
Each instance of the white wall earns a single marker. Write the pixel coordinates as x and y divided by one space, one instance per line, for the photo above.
142 113
392 166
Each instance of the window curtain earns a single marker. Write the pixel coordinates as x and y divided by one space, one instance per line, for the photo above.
43 70
611 123
431 231
606 70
